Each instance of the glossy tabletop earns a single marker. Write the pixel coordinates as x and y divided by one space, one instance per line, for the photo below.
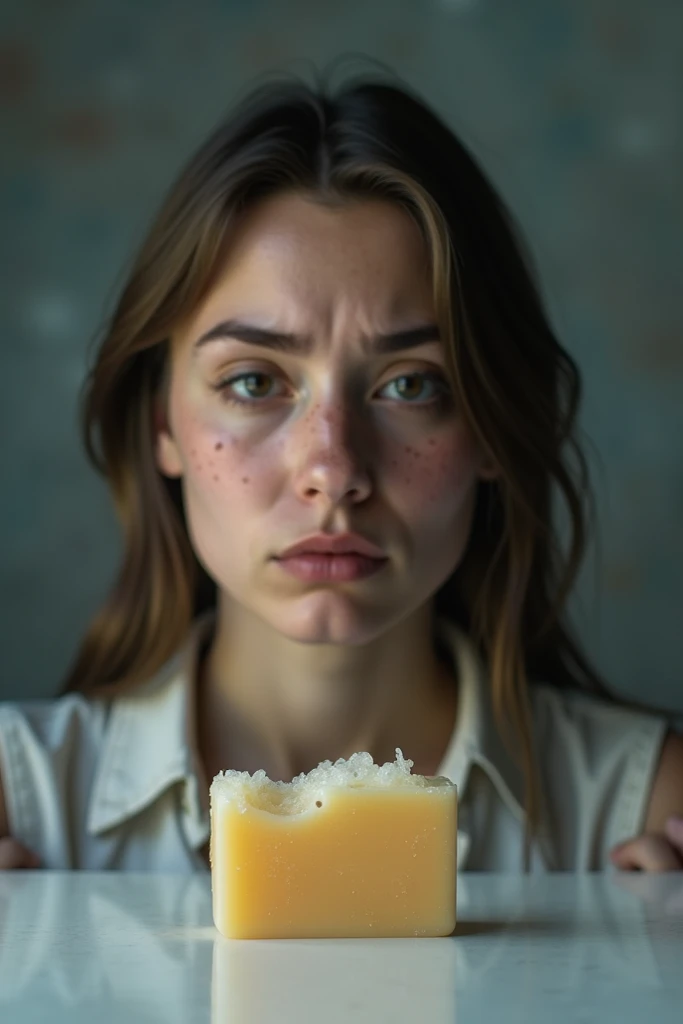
132 948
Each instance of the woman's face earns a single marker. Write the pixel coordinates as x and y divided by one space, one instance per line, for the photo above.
308 396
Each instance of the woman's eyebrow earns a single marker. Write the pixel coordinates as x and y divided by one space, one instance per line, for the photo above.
381 344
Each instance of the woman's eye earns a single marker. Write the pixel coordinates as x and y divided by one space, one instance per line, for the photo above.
415 387
249 387
254 386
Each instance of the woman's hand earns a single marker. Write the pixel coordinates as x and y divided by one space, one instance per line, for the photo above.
652 852
660 847
15 855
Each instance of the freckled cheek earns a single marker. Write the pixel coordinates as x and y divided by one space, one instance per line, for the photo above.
433 480
220 464
219 470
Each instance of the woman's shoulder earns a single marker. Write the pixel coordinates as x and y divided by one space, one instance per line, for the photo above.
74 718
52 722
598 760
564 711
88 778
587 733
49 750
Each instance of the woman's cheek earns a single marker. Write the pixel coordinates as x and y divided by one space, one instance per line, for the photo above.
212 456
227 469
435 476
220 464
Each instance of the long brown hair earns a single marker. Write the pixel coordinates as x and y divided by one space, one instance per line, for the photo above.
518 387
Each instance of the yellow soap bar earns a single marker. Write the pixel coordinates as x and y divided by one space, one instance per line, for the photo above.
352 849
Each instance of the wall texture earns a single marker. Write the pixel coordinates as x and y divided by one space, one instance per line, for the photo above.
575 108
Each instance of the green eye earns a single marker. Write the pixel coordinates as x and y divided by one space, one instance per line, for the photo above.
249 388
414 387
252 385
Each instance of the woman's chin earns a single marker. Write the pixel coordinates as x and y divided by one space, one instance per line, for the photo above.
329 619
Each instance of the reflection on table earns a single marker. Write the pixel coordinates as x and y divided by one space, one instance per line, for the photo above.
340 980
109 947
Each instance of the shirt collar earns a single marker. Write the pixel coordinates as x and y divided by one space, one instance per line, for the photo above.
149 743
476 738
149 746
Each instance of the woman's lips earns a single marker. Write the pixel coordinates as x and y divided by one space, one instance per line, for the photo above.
332 558
320 567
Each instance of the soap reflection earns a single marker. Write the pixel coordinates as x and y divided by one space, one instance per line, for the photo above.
110 947
335 981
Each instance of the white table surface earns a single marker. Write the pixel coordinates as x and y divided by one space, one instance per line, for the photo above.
101 948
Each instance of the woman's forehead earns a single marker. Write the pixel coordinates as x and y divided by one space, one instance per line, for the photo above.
293 258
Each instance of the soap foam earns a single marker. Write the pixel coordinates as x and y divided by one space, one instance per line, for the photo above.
306 791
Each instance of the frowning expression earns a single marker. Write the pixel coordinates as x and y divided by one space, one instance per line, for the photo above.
308 395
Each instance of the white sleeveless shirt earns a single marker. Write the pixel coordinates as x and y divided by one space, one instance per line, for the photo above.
118 784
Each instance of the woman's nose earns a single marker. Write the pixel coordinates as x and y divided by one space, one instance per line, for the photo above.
331 457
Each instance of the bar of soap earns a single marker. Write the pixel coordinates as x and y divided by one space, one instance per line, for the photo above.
353 849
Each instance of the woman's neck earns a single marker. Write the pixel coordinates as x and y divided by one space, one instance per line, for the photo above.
268 702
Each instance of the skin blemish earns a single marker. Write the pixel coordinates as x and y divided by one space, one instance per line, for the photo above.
215 477
245 479
218 446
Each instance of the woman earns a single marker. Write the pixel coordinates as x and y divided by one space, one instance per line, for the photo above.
334 419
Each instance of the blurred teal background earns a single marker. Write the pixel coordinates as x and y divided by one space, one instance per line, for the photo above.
574 108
